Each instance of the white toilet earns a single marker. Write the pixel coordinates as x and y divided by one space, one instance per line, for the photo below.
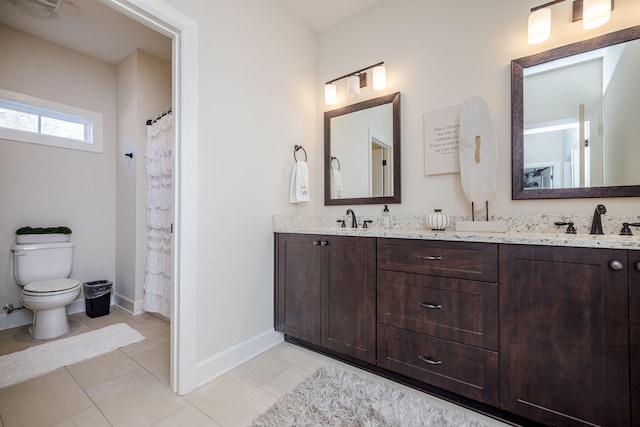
42 269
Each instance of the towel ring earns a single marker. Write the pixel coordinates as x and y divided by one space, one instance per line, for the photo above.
336 159
299 147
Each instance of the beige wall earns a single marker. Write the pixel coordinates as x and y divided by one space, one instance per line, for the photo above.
439 54
48 186
144 90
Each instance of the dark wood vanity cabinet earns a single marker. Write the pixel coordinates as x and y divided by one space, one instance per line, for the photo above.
564 344
438 314
326 292
556 342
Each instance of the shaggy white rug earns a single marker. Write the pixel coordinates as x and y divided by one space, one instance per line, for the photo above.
40 359
332 397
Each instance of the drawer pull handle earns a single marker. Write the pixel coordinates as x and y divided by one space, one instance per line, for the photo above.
431 305
430 258
429 360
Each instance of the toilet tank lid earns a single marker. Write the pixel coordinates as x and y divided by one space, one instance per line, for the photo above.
36 246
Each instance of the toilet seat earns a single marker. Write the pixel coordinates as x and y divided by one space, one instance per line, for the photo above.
51 287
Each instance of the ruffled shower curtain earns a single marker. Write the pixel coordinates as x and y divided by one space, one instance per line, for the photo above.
159 154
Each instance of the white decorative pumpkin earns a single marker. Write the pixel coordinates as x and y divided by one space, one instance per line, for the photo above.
438 220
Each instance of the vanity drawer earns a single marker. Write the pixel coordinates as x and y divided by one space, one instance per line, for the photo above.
475 261
459 368
460 310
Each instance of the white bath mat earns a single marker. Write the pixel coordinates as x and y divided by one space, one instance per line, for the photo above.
335 398
40 359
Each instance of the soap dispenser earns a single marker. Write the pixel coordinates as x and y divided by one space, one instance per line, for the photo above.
385 220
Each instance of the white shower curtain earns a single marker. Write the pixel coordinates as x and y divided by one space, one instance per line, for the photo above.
159 153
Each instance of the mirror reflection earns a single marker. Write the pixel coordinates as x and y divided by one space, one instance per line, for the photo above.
362 150
567 103
574 117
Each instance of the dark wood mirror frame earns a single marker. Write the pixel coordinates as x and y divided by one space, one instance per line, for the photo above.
394 99
518 191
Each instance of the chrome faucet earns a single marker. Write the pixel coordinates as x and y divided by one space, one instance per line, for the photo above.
354 221
596 224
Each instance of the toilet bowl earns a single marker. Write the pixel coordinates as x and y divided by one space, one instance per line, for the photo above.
42 269
48 299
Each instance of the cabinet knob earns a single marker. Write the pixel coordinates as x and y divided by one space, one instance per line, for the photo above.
615 265
316 242
429 360
638 266
324 243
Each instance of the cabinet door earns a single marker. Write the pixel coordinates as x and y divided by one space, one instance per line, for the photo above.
349 299
634 323
299 267
564 343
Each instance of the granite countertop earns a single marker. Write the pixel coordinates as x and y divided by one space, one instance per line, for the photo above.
418 231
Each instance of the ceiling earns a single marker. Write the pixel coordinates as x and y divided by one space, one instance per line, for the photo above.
92 28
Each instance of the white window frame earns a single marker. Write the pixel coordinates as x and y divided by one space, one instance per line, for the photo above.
91 120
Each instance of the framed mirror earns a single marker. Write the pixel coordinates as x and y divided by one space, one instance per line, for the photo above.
575 120
362 152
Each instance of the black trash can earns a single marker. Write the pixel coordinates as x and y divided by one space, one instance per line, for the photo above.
97 297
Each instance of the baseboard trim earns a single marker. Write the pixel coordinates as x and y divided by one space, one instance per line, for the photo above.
23 316
127 304
225 361
19 317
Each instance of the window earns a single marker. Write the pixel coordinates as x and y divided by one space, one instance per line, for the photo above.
37 121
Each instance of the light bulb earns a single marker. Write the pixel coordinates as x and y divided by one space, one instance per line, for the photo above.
379 77
595 13
353 82
330 96
539 25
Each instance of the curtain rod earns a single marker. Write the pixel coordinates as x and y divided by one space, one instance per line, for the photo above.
159 116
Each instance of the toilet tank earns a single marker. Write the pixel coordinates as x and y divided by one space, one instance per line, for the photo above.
41 261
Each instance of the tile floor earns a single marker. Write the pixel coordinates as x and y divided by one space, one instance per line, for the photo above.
129 386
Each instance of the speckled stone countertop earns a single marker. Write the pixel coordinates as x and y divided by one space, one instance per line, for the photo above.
525 229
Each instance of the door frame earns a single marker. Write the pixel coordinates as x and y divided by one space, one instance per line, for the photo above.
183 31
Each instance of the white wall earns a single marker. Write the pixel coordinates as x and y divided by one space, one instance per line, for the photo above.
256 101
438 54
621 99
49 186
144 90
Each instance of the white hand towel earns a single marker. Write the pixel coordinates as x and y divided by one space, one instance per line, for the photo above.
336 184
299 191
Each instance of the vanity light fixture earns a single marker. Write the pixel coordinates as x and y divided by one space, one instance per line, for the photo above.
593 14
355 81
330 96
